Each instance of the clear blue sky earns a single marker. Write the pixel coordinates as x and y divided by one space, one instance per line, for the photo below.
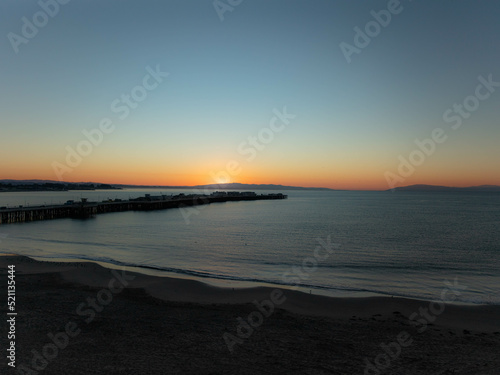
353 120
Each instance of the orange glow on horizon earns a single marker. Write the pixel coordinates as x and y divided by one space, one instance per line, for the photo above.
346 183
348 175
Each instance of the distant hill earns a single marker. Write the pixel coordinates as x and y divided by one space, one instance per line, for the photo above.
482 188
47 185
41 182
50 185
25 182
232 186
238 186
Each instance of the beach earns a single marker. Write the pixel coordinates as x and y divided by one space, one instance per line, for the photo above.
250 187
82 318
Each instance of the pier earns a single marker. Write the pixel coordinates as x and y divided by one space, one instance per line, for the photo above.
85 209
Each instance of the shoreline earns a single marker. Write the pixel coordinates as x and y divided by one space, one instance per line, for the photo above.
223 282
81 318
455 315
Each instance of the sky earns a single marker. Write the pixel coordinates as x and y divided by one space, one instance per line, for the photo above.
364 95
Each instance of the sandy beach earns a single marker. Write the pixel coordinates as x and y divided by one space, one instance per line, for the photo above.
82 318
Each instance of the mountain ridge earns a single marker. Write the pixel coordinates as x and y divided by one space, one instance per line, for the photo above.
424 187
229 186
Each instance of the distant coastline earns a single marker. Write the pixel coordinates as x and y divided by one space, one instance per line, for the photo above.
48 185
23 186
437 188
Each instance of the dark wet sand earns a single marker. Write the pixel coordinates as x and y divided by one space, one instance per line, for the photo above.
162 325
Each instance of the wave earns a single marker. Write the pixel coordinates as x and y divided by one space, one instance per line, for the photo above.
371 266
335 290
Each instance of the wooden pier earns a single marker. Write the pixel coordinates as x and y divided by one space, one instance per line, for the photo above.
85 209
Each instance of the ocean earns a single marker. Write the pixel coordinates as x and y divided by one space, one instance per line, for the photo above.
337 243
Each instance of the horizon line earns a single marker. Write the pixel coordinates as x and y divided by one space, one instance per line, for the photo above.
35 180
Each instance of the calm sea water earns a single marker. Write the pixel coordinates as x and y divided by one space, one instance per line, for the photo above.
403 244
